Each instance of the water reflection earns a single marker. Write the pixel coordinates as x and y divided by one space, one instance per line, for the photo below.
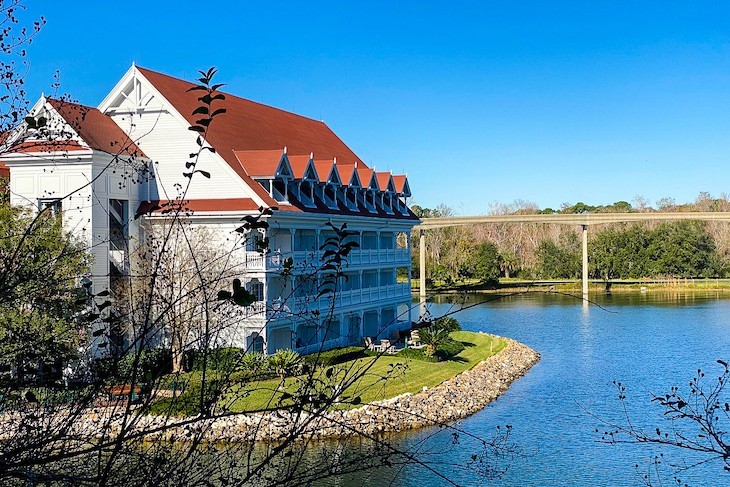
648 341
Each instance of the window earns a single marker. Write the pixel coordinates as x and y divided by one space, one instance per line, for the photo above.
306 193
256 288
350 281
118 228
279 190
369 240
252 239
255 343
52 204
369 279
305 285
387 241
305 240
332 329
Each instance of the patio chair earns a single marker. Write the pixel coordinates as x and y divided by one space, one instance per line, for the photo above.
415 340
386 347
368 343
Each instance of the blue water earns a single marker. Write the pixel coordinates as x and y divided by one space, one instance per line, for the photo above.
649 342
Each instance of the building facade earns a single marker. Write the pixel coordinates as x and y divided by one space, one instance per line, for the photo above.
115 170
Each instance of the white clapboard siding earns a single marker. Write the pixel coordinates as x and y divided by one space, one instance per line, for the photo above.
169 144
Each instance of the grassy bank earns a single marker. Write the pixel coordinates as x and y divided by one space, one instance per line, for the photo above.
378 377
572 286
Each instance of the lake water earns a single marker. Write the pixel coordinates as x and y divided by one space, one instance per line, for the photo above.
649 342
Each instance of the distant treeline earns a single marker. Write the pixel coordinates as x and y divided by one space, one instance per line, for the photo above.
487 252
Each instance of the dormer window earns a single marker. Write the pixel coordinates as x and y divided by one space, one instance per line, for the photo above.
385 202
279 190
368 200
306 193
351 198
331 193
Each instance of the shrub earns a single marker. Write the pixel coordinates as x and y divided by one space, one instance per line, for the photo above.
254 362
447 323
217 359
188 403
432 337
285 362
151 364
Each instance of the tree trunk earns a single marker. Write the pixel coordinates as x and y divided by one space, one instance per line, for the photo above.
178 351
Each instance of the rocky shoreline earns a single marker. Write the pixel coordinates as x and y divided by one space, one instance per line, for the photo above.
454 399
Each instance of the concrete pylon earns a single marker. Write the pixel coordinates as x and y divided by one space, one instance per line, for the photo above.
422 271
585 261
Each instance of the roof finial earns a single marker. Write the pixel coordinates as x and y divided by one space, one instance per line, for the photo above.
284 149
311 155
355 164
334 160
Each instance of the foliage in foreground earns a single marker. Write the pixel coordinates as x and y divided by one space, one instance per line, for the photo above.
697 418
41 296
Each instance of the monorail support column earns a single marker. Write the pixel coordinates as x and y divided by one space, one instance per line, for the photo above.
422 271
585 261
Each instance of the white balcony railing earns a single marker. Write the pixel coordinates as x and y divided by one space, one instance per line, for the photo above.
358 256
352 298
120 261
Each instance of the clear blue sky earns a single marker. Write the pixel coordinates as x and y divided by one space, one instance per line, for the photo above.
478 102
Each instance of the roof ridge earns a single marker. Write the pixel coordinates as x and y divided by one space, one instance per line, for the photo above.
232 95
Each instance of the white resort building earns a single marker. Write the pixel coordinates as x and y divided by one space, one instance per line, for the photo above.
102 167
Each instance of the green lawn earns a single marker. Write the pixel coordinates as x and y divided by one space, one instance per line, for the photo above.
376 377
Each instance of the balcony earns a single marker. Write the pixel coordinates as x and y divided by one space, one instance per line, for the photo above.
360 257
352 298
256 261
302 307
118 258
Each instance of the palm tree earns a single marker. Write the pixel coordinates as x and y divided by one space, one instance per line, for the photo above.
508 262
432 337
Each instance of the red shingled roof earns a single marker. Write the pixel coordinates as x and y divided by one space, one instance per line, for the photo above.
366 176
399 180
96 129
202 205
250 136
324 169
259 163
29 146
385 181
299 165
252 126
348 172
